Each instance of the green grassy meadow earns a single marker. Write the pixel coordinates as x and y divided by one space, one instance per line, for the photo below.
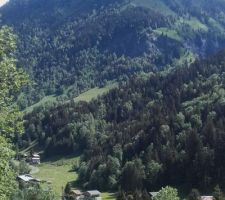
86 96
170 33
46 100
94 93
193 22
58 172
155 5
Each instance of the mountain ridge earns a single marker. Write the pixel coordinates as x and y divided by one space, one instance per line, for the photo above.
56 37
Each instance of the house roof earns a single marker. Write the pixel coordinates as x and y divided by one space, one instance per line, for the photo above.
207 198
76 192
35 158
36 155
153 194
93 193
26 178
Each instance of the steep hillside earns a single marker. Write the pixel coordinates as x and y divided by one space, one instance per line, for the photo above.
167 129
83 44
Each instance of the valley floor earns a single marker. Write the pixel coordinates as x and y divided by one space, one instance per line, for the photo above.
58 172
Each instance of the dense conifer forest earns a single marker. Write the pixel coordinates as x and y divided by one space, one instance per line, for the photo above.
164 130
160 121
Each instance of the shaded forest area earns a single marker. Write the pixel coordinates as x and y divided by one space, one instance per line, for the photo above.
165 130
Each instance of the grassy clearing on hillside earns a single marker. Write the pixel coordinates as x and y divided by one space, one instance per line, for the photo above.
170 33
86 96
58 172
46 100
155 5
216 25
95 92
194 23
175 32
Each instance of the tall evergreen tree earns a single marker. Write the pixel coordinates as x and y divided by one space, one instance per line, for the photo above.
218 194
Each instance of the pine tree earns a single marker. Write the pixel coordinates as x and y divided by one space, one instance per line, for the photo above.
218 194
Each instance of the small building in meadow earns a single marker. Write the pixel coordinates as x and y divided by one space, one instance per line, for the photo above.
35 159
207 198
27 179
76 194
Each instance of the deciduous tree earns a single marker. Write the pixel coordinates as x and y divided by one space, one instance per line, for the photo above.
11 80
167 193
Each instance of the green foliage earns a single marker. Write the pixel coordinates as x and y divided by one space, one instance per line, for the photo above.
153 169
34 193
167 193
24 168
76 50
7 176
173 122
10 118
11 81
82 53
106 176
218 194
132 176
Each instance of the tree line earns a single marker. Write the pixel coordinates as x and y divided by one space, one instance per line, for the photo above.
164 130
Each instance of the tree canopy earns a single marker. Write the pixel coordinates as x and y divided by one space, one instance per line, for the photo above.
167 193
11 81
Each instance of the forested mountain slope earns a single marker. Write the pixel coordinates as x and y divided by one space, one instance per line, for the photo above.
69 46
164 130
